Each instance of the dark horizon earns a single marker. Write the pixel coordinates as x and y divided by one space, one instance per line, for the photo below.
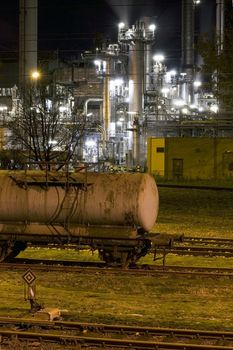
70 27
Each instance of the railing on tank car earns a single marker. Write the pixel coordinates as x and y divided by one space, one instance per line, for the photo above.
45 174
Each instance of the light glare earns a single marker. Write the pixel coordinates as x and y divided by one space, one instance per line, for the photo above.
152 27
35 75
179 103
121 25
158 58
197 83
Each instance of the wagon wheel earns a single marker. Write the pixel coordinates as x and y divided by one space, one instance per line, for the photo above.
7 251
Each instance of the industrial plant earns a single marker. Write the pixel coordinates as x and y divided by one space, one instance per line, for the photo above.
116 174
123 90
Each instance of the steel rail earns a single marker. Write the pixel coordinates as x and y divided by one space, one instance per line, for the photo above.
197 251
198 246
104 341
196 187
176 268
207 240
119 329
142 270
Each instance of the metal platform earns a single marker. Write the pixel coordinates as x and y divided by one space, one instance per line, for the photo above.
48 180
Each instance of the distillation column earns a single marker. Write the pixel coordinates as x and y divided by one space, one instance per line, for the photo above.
139 39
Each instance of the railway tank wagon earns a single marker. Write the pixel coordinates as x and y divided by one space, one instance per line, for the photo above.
109 212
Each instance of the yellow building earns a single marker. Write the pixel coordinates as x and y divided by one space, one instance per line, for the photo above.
190 157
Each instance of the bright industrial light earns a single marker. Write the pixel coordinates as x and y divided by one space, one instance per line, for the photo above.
184 110
214 108
131 113
158 58
118 81
115 82
197 2
3 108
35 75
121 25
89 114
62 109
165 90
178 102
172 72
112 85
131 86
90 143
197 83
121 119
152 27
52 142
97 62
193 106
200 109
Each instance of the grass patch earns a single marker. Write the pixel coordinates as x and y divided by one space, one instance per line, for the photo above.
161 301
226 183
180 301
59 254
195 212
87 255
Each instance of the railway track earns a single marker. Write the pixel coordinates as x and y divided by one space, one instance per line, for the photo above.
197 251
198 246
177 239
196 187
140 270
134 337
207 240
195 246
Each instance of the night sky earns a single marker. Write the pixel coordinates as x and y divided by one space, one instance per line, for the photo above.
70 26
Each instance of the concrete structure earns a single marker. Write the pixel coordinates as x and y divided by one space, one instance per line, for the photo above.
191 158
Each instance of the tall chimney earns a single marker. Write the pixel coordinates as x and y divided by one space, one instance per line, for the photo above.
219 24
188 44
27 39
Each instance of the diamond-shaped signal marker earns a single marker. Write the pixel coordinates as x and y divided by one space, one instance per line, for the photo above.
29 277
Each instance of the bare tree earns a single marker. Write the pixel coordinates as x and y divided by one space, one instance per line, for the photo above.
218 68
43 131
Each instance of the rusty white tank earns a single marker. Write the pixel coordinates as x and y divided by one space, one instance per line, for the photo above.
129 199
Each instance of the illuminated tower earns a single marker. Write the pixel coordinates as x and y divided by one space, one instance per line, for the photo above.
139 39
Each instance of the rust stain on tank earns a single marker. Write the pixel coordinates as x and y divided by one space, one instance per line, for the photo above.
129 218
110 199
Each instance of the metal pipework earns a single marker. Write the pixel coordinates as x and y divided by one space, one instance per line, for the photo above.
90 100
